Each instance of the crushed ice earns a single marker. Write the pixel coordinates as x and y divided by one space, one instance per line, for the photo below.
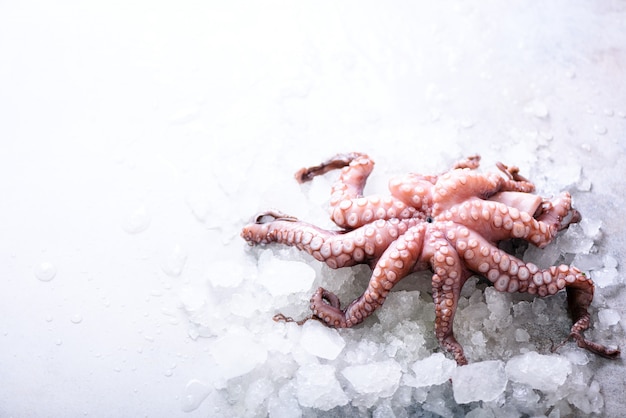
392 363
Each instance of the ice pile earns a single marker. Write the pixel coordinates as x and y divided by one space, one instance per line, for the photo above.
392 365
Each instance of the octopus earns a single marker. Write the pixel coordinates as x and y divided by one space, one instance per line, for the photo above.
450 224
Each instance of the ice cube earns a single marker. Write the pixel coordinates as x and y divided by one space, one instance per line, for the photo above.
605 277
608 317
285 405
539 371
542 257
318 387
480 413
383 411
400 304
574 240
257 394
521 335
173 261
587 262
236 354
284 277
498 303
483 381
379 379
321 341
591 227
609 261
226 273
433 370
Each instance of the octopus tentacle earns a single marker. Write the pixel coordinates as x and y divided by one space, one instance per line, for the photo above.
457 186
500 221
414 190
509 274
338 161
356 212
450 223
554 212
330 312
335 248
447 281
397 261
472 162
506 272
349 209
579 296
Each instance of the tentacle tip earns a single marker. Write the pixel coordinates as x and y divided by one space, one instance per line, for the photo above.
263 218
608 353
271 216
303 175
574 217
554 348
248 236
279 317
593 347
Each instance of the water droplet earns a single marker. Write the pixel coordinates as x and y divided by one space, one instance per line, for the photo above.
174 262
49 318
169 373
45 271
600 129
195 393
76 318
59 342
138 221
193 333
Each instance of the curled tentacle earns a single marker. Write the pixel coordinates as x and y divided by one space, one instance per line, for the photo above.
397 261
271 216
330 312
338 161
509 274
472 162
579 296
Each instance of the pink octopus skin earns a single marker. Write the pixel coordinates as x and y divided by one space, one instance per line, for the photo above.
449 223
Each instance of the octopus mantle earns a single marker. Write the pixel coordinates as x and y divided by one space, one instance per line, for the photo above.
449 223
